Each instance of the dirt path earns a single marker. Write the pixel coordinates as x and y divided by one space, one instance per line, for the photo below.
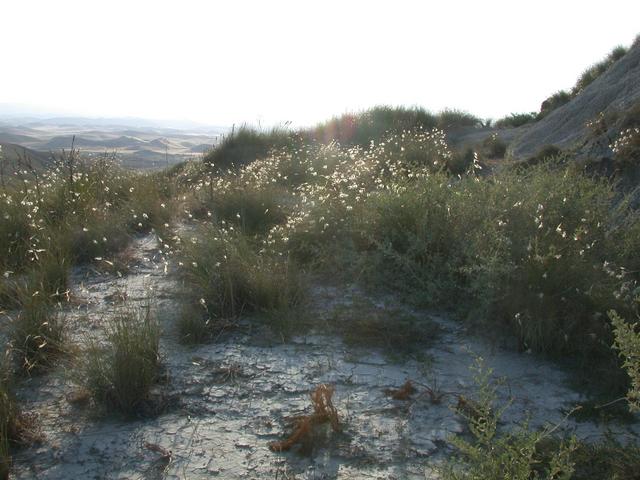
228 400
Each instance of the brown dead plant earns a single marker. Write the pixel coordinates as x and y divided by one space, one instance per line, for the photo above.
402 393
303 425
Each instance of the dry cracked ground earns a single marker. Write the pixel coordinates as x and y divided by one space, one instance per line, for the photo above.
225 402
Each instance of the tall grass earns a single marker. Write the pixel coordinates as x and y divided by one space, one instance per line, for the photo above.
8 418
121 374
227 277
371 125
246 145
593 72
37 333
541 252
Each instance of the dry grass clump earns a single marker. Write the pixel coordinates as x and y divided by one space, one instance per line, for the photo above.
16 428
246 145
8 420
403 393
80 208
303 425
227 276
120 375
37 333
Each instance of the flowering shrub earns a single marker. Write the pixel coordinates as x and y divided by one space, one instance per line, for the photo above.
626 148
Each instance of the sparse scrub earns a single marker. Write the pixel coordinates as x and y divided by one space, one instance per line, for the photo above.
589 75
493 453
246 145
586 78
544 154
515 120
626 149
554 101
394 331
537 251
9 419
372 125
627 342
493 147
456 119
227 276
37 333
121 374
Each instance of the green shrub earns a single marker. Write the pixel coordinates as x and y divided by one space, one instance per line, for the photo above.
627 342
515 120
16 230
246 145
372 125
496 454
252 211
120 376
37 333
449 118
9 419
544 154
226 276
626 149
493 147
417 246
554 101
461 161
533 258
593 72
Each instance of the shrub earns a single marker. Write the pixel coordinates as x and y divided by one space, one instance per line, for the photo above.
554 101
9 419
544 154
226 276
250 210
449 118
416 244
37 334
246 145
593 72
461 161
626 149
627 342
533 262
372 125
120 376
515 120
494 454
493 147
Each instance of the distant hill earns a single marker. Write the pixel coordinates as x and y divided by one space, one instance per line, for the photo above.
13 155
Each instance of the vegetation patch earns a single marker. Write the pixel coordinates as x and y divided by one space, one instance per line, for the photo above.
37 333
392 330
227 277
121 374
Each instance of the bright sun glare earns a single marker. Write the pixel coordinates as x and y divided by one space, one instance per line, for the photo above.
271 62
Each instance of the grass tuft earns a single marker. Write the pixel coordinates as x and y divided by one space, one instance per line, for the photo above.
121 374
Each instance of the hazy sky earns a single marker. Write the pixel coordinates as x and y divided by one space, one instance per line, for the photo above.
300 61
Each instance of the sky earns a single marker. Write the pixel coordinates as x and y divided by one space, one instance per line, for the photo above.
270 62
